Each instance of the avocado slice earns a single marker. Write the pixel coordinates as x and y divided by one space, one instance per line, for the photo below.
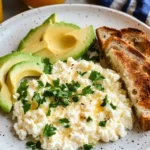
5 98
7 61
21 70
35 47
64 42
35 35
42 44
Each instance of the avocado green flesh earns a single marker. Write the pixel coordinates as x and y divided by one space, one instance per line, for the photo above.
35 47
80 41
21 70
35 35
7 61
5 99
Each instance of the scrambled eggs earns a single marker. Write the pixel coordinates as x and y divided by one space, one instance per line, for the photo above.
95 109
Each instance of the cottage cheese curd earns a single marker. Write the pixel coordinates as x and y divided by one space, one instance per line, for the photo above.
102 115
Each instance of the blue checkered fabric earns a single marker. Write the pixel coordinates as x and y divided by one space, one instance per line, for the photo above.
138 8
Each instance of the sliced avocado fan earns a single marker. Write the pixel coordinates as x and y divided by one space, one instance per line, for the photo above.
58 29
21 70
6 62
35 35
64 41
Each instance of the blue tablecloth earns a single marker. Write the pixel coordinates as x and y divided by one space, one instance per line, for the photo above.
138 8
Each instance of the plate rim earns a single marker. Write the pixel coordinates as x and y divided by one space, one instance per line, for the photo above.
8 21
30 12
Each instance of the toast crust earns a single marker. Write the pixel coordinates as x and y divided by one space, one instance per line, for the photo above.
145 122
141 80
107 32
131 50
133 37
137 39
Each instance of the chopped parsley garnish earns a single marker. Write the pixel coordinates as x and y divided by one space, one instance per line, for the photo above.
98 86
56 82
89 119
49 112
113 106
23 86
87 90
87 147
49 130
65 122
38 99
87 56
26 107
103 123
48 84
47 66
54 104
64 102
61 93
105 101
81 73
73 86
22 90
75 98
34 145
40 84
95 76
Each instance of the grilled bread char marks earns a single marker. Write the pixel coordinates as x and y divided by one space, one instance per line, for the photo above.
136 65
136 81
133 66
137 39
105 32
134 37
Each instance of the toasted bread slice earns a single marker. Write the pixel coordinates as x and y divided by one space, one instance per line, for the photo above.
103 33
137 39
134 70
134 37
137 83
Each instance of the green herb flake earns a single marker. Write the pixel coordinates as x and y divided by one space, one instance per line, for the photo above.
49 112
95 76
87 57
48 84
98 86
103 123
48 66
38 99
105 101
73 86
49 130
113 106
23 86
31 145
81 73
64 101
40 84
75 98
87 90
26 107
87 147
56 82
89 119
22 90
65 122
34 145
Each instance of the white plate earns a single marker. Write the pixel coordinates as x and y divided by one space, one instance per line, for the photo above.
14 29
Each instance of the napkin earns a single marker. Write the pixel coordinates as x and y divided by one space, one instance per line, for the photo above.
138 8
